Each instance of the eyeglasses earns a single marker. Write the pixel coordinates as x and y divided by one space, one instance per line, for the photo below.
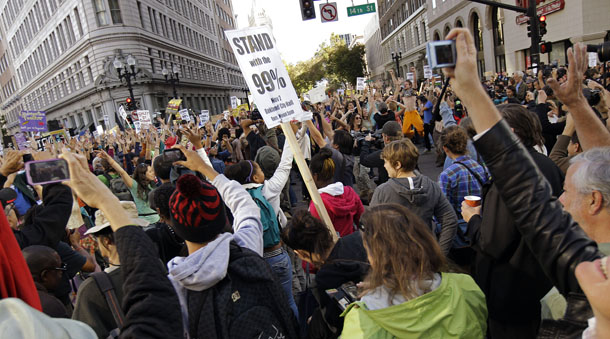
63 268
358 118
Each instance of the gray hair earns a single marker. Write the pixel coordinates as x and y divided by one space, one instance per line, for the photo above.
593 173
519 74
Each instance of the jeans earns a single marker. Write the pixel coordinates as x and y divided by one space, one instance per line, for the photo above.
282 268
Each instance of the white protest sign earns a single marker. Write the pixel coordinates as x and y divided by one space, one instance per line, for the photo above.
261 65
145 120
233 102
317 94
99 129
427 72
122 112
410 76
360 84
592 59
204 116
184 115
106 121
340 91
136 126
226 115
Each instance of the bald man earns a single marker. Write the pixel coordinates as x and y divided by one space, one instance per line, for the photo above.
46 269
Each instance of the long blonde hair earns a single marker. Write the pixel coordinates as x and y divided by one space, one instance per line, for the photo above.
402 250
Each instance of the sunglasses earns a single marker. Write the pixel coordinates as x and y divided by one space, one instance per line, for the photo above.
64 267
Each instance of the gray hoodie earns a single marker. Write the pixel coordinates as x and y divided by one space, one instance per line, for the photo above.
424 197
207 266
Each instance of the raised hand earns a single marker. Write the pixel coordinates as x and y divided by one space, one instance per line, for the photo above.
13 162
570 92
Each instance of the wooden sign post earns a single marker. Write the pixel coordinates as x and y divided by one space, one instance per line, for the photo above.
306 174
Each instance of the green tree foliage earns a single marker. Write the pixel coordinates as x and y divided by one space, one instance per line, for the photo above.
332 61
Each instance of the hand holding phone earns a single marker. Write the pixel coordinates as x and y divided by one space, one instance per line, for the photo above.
42 172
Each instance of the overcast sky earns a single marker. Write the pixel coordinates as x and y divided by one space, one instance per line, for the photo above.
298 39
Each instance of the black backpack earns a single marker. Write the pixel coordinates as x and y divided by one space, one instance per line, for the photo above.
248 303
105 285
117 187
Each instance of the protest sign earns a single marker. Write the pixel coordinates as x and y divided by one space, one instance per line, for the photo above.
340 91
106 121
144 118
262 67
592 59
137 126
122 112
233 102
235 112
427 72
410 76
317 94
226 115
99 129
173 106
33 121
184 115
204 116
360 84
21 141
47 138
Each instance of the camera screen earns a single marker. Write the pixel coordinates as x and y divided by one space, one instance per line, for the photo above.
172 155
54 170
444 54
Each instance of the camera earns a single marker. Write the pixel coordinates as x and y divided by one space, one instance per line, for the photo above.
602 50
441 53
344 295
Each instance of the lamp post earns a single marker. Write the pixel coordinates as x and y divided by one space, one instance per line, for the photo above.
245 90
127 72
172 77
397 56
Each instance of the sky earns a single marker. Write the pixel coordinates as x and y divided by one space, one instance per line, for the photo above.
296 39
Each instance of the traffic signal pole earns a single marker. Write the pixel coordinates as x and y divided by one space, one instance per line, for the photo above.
533 23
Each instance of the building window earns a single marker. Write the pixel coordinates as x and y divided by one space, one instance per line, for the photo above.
100 12
115 12
79 25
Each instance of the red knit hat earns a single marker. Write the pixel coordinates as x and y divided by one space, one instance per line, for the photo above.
197 210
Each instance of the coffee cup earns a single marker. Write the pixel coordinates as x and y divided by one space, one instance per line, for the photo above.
472 200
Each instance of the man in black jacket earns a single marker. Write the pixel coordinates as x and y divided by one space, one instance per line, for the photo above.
554 239
391 131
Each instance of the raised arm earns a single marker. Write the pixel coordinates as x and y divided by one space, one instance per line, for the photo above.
117 167
315 134
591 131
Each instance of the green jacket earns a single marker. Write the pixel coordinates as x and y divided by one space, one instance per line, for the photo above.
456 309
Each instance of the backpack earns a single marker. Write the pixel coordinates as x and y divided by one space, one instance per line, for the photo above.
105 285
247 303
117 187
271 228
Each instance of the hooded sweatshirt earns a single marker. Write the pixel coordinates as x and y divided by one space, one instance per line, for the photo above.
424 197
207 266
455 308
343 205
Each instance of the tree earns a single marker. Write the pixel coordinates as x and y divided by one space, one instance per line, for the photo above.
333 61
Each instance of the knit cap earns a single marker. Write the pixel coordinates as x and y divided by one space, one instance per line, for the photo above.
197 210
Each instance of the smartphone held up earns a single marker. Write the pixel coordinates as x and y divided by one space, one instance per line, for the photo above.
42 172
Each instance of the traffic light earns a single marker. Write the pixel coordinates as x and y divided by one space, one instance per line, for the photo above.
130 104
542 25
546 47
308 12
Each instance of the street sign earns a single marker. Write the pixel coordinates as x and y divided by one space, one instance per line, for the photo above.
328 12
361 9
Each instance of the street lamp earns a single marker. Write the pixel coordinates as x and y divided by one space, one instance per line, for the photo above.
245 90
397 56
127 73
172 77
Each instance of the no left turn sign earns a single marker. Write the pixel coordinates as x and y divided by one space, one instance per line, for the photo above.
328 12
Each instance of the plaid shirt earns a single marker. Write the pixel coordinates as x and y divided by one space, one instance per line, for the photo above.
457 182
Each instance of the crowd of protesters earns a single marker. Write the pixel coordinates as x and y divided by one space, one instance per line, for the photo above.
190 229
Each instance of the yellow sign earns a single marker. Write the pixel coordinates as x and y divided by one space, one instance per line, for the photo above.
235 111
173 106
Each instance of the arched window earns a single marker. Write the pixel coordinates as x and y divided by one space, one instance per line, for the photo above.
497 20
447 30
437 37
477 32
459 23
